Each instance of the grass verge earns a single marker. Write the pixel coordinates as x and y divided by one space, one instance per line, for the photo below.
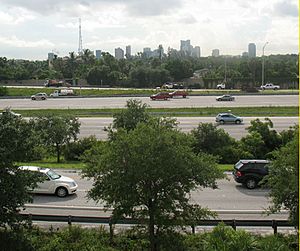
268 111
78 165
26 92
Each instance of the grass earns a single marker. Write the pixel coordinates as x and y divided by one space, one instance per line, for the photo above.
267 111
26 92
78 165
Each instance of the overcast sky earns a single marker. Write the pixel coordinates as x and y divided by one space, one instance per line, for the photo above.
29 29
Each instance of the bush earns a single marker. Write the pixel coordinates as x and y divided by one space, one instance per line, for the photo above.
74 150
3 91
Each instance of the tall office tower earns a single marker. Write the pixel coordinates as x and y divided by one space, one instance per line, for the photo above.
50 56
196 52
185 46
147 52
215 53
98 54
119 53
252 50
128 51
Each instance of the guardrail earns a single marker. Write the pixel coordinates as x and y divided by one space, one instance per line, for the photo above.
129 221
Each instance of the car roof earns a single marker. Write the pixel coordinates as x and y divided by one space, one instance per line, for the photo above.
245 161
34 168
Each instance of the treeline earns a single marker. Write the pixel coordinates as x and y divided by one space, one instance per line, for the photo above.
139 71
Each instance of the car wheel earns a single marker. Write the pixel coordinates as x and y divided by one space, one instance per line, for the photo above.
222 122
43 98
61 192
184 96
251 183
32 98
237 121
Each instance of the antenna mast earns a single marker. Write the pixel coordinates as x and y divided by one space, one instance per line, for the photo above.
80 39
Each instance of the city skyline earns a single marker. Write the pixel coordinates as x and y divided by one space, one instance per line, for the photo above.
32 29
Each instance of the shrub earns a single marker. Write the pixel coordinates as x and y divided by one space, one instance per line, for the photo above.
74 150
3 91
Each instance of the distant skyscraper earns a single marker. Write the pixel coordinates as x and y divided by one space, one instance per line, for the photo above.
252 50
98 54
147 52
215 53
50 56
128 51
245 54
185 46
196 52
119 53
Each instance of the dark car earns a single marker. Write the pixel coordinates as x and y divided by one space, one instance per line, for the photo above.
250 172
160 96
226 97
178 94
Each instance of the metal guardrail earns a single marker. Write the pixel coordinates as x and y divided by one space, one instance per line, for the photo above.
129 221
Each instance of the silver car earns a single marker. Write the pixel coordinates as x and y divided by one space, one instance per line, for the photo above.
39 96
226 97
223 118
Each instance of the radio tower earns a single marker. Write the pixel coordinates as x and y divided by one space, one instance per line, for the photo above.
80 39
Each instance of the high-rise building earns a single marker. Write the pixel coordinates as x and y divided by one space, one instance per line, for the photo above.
50 56
245 54
215 53
147 52
252 50
196 52
119 53
128 51
98 54
185 46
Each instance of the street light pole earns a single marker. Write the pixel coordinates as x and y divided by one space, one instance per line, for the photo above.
263 64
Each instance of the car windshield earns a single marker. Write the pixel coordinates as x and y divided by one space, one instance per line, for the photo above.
53 175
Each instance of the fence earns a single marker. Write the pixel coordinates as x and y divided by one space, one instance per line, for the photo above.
129 221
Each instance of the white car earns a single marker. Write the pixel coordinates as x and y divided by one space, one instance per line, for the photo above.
54 183
269 86
39 96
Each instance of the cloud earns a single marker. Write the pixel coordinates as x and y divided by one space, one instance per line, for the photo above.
286 8
188 20
15 16
14 41
79 7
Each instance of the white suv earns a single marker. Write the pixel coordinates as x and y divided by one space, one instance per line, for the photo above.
53 183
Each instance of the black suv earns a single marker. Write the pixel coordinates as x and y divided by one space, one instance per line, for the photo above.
250 172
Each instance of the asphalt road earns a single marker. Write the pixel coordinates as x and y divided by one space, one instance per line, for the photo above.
231 200
95 126
120 102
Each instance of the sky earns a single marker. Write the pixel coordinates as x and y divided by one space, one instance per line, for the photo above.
29 29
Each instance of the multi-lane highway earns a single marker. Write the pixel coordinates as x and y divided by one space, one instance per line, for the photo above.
120 102
231 200
95 126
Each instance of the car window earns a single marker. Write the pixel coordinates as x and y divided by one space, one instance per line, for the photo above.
238 165
53 175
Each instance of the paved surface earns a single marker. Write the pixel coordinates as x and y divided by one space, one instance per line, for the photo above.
95 126
120 102
230 200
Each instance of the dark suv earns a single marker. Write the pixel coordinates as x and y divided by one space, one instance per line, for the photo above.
250 172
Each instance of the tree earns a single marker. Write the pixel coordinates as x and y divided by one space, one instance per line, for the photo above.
15 145
148 173
57 131
213 140
271 139
129 118
283 180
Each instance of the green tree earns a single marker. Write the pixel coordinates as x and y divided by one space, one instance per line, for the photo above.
213 140
271 139
57 131
15 145
253 144
135 112
149 173
283 180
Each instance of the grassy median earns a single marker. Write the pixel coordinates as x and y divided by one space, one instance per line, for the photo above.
267 111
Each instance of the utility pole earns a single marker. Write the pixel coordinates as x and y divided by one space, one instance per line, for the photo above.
263 64
80 39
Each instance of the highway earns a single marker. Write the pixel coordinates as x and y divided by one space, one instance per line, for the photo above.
120 102
95 126
231 200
